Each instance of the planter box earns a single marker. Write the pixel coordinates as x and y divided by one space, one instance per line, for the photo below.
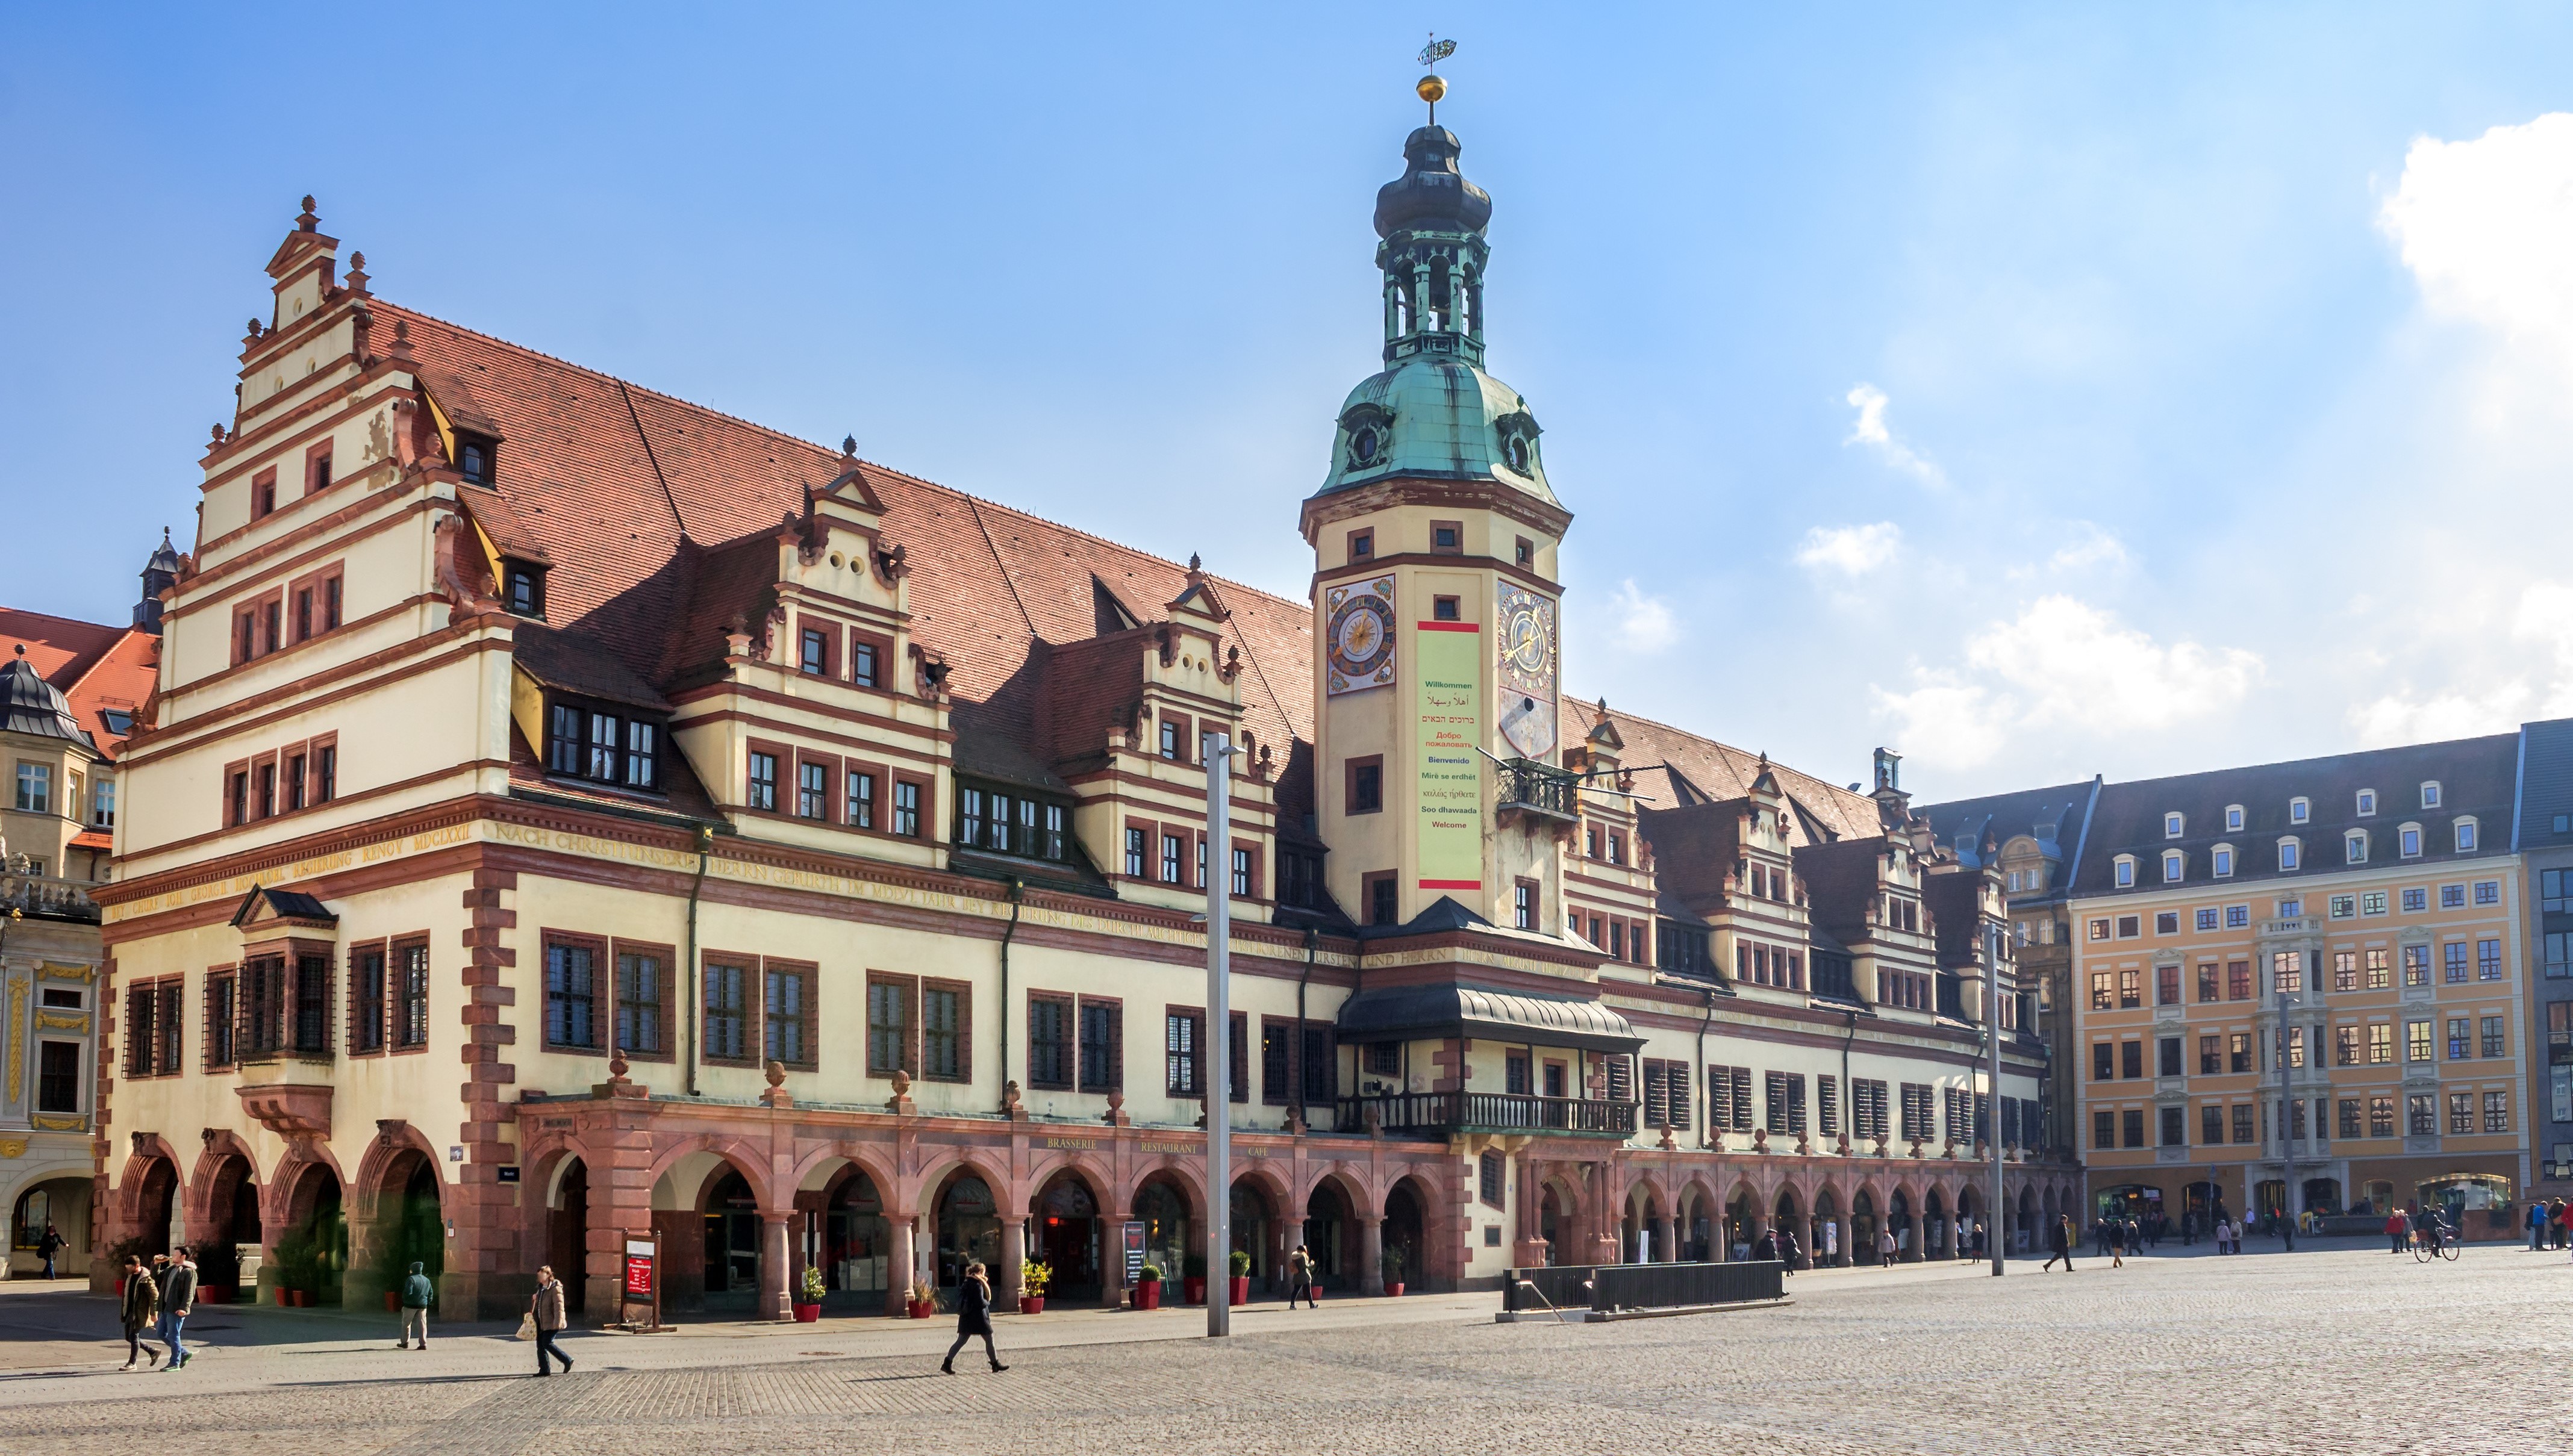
1393 1288
924 1308
1032 1304
807 1313
1192 1292
1147 1294
1240 1294
392 1301
214 1294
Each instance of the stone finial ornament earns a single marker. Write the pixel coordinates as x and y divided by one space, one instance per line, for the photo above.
307 220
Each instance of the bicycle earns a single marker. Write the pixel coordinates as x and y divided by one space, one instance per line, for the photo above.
2428 1244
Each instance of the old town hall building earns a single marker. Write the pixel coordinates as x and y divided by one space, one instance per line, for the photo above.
568 813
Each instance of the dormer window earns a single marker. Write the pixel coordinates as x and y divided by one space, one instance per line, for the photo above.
2366 802
2290 851
2430 794
1006 822
602 744
2221 861
522 586
473 460
2466 836
2354 847
2408 841
2233 819
2299 810
2125 872
2173 825
2175 865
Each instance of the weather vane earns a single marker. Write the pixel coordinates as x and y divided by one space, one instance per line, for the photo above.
1431 88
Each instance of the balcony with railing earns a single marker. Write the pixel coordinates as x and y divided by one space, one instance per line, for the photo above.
1448 1112
1537 791
48 899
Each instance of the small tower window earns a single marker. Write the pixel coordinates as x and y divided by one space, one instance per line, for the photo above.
1362 545
1444 609
1447 537
473 460
1527 556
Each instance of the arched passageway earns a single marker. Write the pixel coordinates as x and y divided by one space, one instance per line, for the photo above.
1330 1236
1405 1236
1070 1238
312 1259
968 1226
568 1233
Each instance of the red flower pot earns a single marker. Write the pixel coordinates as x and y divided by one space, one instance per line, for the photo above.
1394 1289
1147 1294
214 1294
923 1308
807 1313
1032 1304
1240 1290
392 1300
1193 1291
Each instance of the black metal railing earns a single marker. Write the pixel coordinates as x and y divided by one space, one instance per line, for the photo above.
1486 1111
1606 1287
1529 785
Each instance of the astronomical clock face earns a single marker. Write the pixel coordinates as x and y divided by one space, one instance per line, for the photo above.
1358 623
1527 648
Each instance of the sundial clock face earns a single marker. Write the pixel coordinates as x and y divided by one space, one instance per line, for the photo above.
1528 648
1358 625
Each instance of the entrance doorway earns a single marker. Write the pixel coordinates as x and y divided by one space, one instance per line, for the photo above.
1067 1238
567 1234
732 1245
313 1255
411 1229
969 1228
1328 1239
152 1206
1169 1242
1863 1227
1251 1232
1825 1247
854 1244
1404 1234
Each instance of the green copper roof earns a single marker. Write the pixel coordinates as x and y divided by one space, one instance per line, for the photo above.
1441 420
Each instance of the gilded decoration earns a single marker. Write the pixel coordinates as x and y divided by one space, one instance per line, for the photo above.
13 1148
17 1035
58 1123
1527 642
1358 625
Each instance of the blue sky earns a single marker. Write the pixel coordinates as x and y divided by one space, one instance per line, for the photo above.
2042 390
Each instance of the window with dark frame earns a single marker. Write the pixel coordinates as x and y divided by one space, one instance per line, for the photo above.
727 1010
570 995
781 1015
1049 1045
906 809
815 654
367 1019
862 799
1102 1045
639 1004
888 1028
762 794
862 663
1365 785
812 791
942 1034
312 1028
220 1023
58 1075
1180 1054
410 1028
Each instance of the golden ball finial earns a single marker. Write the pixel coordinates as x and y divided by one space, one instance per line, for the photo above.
1433 89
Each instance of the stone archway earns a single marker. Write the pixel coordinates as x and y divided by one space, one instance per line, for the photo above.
1936 1227
153 1206
1791 1231
1403 1236
1167 1206
403 1222
567 1214
1829 1246
1070 1234
311 1257
1698 1225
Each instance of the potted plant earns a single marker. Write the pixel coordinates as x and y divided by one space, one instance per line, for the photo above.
1034 1275
1393 1262
1148 1287
808 1301
1240 1294
1192 1277
924 1299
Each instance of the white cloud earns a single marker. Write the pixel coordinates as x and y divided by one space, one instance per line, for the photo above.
2095 547
1639 623
2542 625
1855 550
1870 429
2062 664
2486 227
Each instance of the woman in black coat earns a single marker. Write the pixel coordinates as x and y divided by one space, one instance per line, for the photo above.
973 1318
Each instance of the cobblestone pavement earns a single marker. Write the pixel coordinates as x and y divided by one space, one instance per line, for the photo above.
2337 1350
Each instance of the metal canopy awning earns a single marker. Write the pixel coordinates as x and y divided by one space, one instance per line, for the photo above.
1400 1013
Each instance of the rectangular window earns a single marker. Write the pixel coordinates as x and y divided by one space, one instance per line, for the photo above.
1523 908
2416 901
2102 991
2452 897
35 788
2496 1112
1171 739
2462 1112
1384 900
1050 1043
2416 964
2345 971
2378 973
2344 1046
2242 1122
2133 1121
2487 892
2103 1129
1276 1054
1172 846
2237 917
294 776
2174 1129
2296 1047
1180 1054
812 791
103 804
2421 1112
411 1022
815 656
2104 1061
2211 1125
943 1032
2167 986
2131 990
1364 785
727 1012
2287 972
2493 1040
781 1016
888 1026
1135 846
366 1000
2207 988
2237 1053
862 800
569 995
2417 1041
2453 961
312 1004
862 663
2210 1056
2380 1116
1242 877
639 1004
218 1022
1102 1045
2381 1043
2488 960
2372 903
763 781
2131 1059
2167 1057
2237 980
906 809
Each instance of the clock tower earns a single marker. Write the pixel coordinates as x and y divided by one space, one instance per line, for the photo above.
1435 607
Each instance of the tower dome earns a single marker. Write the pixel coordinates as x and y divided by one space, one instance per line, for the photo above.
1433 414
33 705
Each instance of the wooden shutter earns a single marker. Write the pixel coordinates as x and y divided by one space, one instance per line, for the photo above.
1680 1109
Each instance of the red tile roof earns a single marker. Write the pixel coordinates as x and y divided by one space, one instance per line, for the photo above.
660 517
96 667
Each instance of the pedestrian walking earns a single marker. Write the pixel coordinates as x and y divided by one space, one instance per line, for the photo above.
1981 1239
1883 1247
547 1309
2398 1230
1789 1250
2117 1245
2058 1244
417 1295
49 1245
2555 1216
140 1310
1299 1278
974 1317
1765 1247
178 1298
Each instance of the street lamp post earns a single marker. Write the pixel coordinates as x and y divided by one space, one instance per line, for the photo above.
1218 1035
